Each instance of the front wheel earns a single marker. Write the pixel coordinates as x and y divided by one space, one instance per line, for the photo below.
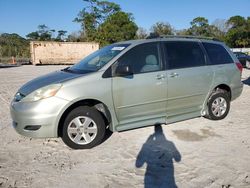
83 128
218 105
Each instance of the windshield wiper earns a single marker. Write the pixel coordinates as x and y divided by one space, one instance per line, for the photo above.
65 69
76 71
68 70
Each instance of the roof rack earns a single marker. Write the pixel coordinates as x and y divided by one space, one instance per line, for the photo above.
155 35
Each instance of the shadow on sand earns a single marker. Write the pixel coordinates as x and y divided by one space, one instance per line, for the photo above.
158 153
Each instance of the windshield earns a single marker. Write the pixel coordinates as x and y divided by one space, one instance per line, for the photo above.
98 59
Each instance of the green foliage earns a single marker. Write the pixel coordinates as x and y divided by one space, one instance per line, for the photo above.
235 31
104 22
236 21
117 27
44 33
239 33
13 45
201 27
162 28
61 35
33 36
94 15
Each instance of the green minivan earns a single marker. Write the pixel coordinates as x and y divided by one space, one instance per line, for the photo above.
129 85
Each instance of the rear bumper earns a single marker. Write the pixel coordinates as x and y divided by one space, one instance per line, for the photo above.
37 119
236 92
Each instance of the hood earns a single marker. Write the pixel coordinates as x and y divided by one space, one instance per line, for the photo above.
52 78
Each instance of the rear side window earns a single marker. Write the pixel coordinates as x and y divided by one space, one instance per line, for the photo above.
183 54
217 54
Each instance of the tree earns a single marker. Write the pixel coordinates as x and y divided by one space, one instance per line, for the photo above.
33 36
182 32
221 24
199 26
162 28
44 33
94 15
75 37
13 45
236 21
219 28
141 33
117 27
199 22
61 35
104 22
239 33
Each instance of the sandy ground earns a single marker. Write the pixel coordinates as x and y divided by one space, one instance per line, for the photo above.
194 153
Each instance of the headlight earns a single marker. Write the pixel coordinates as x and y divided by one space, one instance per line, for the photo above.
42 93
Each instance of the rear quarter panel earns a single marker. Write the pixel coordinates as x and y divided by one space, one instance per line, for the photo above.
227 74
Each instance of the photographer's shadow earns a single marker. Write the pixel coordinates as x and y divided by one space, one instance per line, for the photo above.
158 153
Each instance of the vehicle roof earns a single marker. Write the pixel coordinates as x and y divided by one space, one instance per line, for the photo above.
140 41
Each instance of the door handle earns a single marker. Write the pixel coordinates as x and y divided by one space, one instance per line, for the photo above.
174 75
160 76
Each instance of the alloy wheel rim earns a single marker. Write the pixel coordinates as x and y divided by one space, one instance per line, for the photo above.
219 107
82 130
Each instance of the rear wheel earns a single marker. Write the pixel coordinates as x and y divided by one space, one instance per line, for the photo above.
218 104
83 128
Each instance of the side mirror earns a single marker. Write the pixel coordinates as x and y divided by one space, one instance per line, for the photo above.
123 70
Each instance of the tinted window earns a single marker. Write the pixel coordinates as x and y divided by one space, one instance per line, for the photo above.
184 54
217 54
142 58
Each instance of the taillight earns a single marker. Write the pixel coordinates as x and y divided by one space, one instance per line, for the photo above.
239 65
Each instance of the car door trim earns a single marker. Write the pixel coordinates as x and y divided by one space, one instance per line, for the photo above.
138 104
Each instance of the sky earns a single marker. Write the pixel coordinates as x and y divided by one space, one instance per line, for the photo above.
23 16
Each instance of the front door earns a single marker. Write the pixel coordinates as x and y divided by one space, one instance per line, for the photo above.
141 96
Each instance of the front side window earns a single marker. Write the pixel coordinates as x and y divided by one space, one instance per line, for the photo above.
142 58
217 54
183 54
98 59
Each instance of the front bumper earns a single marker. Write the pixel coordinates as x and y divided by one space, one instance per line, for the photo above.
37 119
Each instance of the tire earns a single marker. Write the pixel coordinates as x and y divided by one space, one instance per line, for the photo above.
83 128
218 104
248 64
